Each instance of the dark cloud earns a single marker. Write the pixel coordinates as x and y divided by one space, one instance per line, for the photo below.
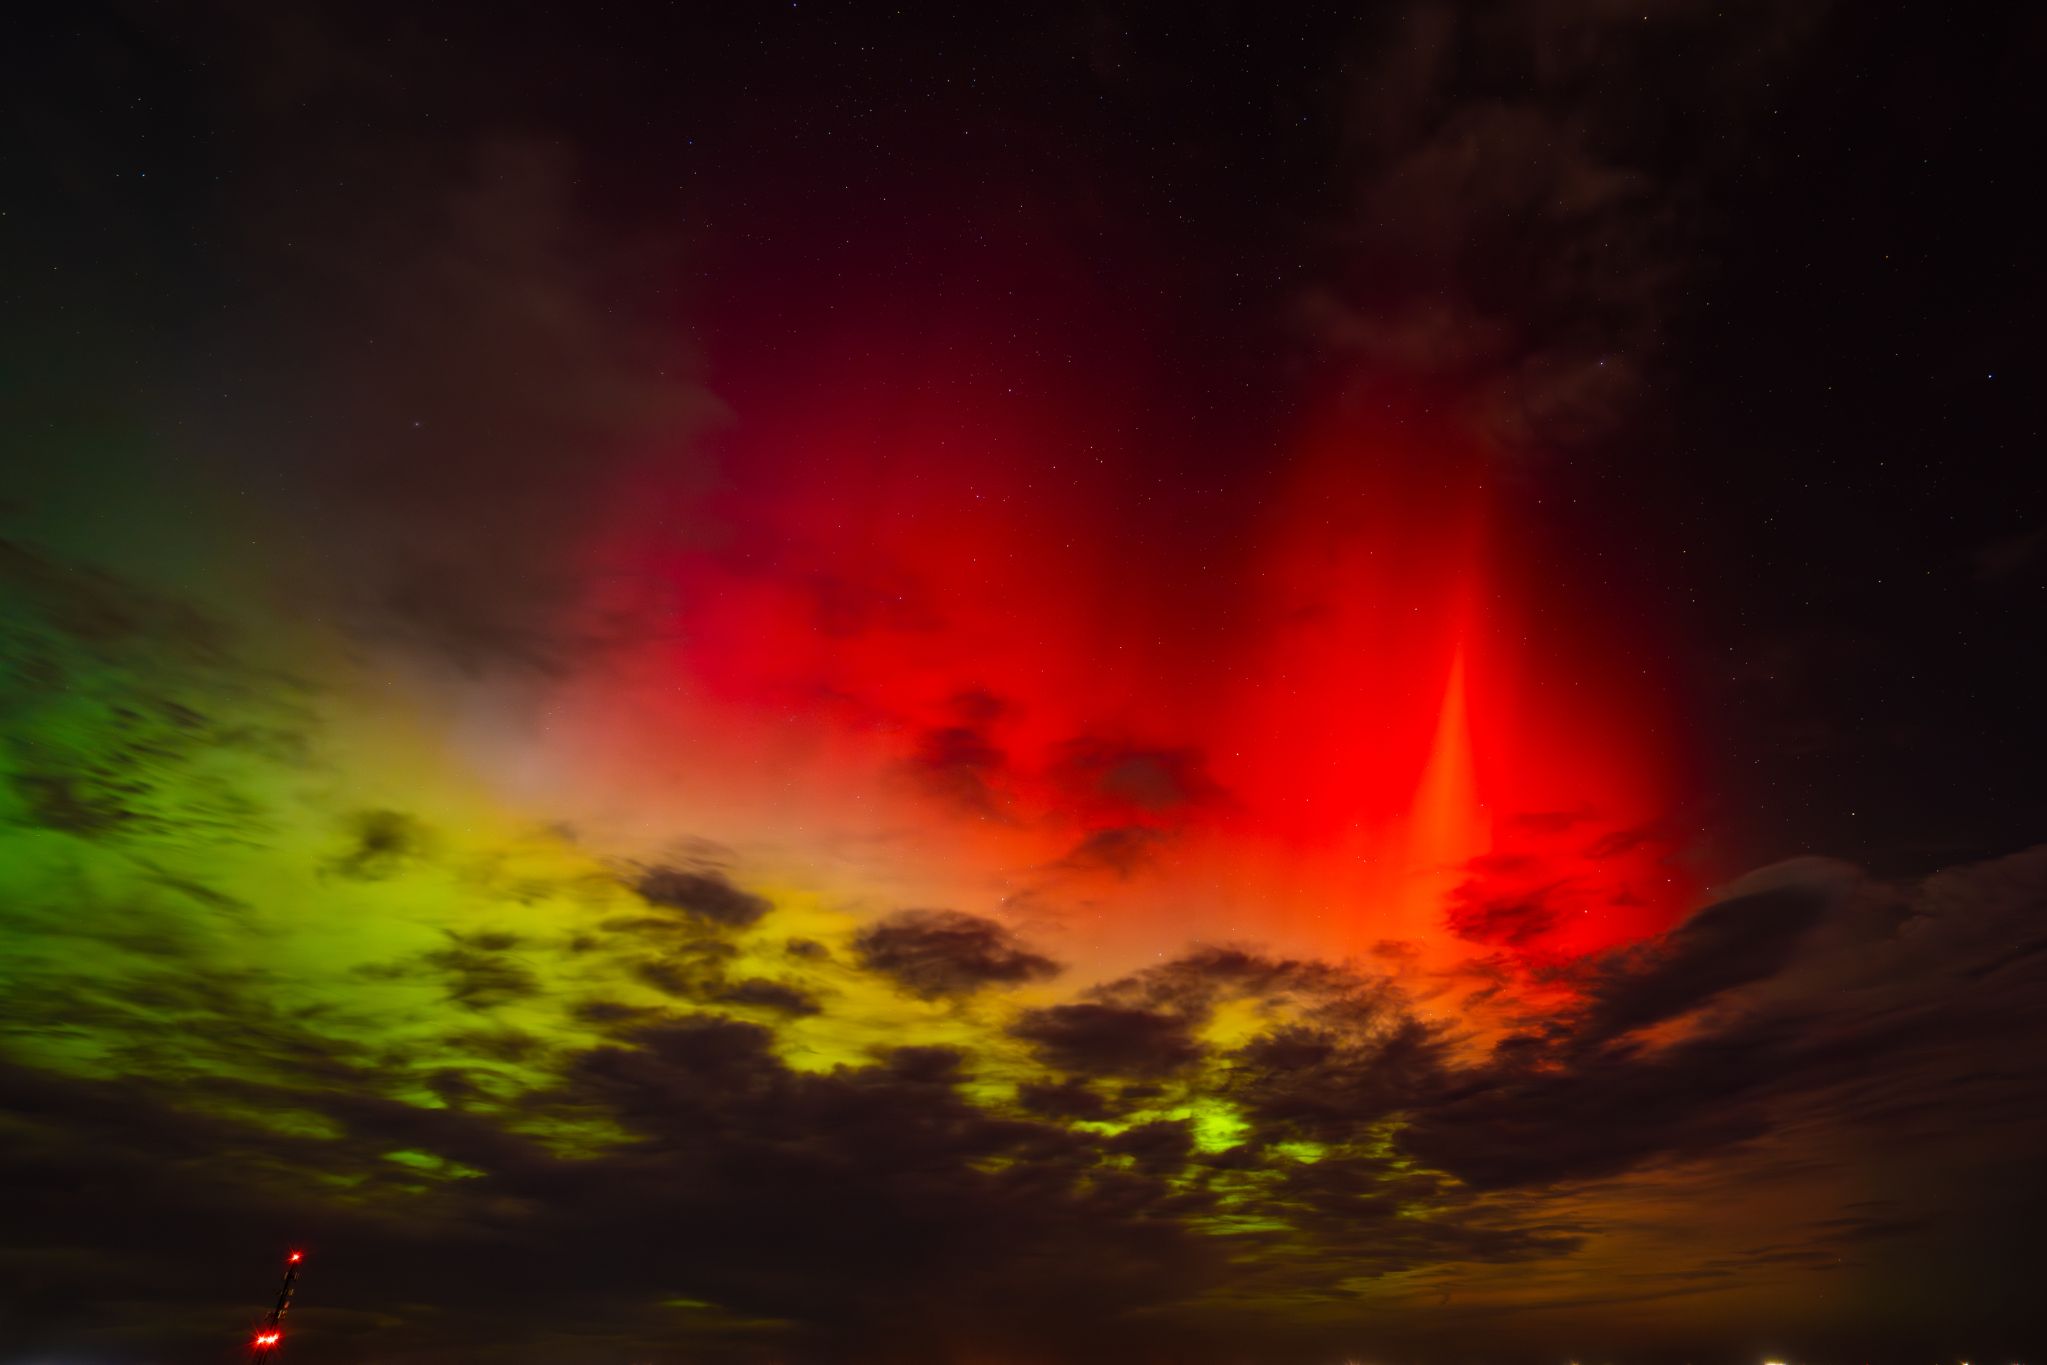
1819 998
686 976
1069 1099
706 895
822 1205
1326 1084
65 803
1724 946
1512 921
1530 1121
610 1016
756 1157
1520 227
1342 1050
979 707
383 843
477 971
777 996
959 764
53 604
1193 984
1137 781
1108 1040
435 353
501 1044
828 1204
1161 1146
121 704
1122 849
938 953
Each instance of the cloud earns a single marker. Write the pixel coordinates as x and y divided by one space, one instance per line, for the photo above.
132 717
1121 849
446 354
1818 997
385 841
693 971
480 977
1510 921
1127 782
538 1076
776 996
1067 1099
754 1157
1725 946
960 764
1195 983
939 953
1517 231
510 357
706 895
1108 1040
825 1204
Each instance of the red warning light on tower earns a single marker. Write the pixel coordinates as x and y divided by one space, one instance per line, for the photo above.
270 1335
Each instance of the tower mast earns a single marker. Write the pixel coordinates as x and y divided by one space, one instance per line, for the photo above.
269 1336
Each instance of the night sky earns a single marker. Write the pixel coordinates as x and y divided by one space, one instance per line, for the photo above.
1223 684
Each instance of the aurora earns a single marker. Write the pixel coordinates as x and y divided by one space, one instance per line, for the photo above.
880 686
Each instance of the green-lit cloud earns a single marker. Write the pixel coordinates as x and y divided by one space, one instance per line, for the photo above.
268 976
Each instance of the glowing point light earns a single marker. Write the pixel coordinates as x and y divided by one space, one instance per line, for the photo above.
297 1256
268 1338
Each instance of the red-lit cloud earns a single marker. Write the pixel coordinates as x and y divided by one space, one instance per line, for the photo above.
1330 709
